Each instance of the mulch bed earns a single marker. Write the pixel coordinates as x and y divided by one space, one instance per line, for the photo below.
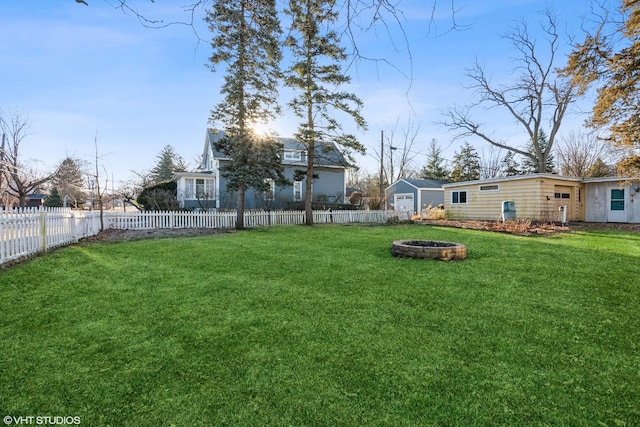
531 227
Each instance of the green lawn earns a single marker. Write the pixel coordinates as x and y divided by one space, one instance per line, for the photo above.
322 327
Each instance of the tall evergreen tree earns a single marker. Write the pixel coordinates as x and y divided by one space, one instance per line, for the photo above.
510 166
315 75
69 182
245 38
54 200
530 165
434 169
168 163
466 164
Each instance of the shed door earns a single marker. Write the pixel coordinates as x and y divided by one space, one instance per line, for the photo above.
403 202
563 197
616 211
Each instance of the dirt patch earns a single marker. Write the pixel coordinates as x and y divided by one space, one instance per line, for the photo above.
112 235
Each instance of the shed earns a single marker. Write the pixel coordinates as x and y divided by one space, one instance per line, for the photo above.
612 199
413 195
536 196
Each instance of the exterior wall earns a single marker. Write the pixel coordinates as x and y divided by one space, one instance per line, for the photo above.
330 183
400 187
430 196
598 202
422 197
329 186
534 199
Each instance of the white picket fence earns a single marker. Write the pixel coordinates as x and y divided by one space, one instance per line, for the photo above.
25 232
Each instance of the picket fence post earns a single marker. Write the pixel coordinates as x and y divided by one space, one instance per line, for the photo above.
43 231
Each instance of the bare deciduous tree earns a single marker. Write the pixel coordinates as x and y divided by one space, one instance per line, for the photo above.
399 151
491 162
537 99
20 179
578 152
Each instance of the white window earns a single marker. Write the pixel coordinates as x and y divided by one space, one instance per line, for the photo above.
199 188
297 191
270 194
459 197
293 156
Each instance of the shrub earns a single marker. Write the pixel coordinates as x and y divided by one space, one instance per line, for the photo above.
159 197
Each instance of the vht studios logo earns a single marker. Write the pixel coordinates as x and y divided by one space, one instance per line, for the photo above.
38 420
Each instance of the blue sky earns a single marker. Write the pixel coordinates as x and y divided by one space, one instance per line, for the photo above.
86 72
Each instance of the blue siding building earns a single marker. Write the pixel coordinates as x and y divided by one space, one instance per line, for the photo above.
206 188
414 195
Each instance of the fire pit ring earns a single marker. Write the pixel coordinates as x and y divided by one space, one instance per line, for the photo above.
429 249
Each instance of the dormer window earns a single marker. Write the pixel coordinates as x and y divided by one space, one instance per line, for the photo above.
292 156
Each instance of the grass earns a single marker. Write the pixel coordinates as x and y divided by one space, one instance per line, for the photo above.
322 327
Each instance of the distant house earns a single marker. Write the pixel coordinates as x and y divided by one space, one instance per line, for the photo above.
35 200
414 195
536 197
206 188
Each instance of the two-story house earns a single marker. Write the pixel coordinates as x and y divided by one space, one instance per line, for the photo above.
206 188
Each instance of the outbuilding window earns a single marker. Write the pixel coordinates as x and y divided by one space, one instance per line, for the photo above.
490 187
458 197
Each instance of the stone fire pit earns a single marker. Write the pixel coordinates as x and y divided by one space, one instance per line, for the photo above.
429 249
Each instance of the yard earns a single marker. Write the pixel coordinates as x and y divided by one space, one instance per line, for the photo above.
322 327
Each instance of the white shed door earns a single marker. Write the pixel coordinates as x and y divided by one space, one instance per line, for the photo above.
616 211
403 202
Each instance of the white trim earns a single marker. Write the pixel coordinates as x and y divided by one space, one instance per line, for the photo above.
513 178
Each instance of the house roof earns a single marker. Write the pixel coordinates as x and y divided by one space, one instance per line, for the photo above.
610 179
197 174
37 196
514 178
326 153
421 184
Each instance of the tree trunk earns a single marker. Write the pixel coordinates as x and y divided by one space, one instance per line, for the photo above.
240 213
308 200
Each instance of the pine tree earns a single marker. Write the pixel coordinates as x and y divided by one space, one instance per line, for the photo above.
510 166
69 182
538 150
600 169
245 38
434 168
168 163
466 164
54 200
315 75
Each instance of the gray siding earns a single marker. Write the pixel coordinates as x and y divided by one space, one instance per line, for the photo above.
433 197
422 197
598 201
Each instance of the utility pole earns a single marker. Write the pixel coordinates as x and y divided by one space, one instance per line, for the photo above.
2 165
383 203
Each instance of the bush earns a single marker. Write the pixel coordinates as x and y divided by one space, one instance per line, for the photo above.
159 197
